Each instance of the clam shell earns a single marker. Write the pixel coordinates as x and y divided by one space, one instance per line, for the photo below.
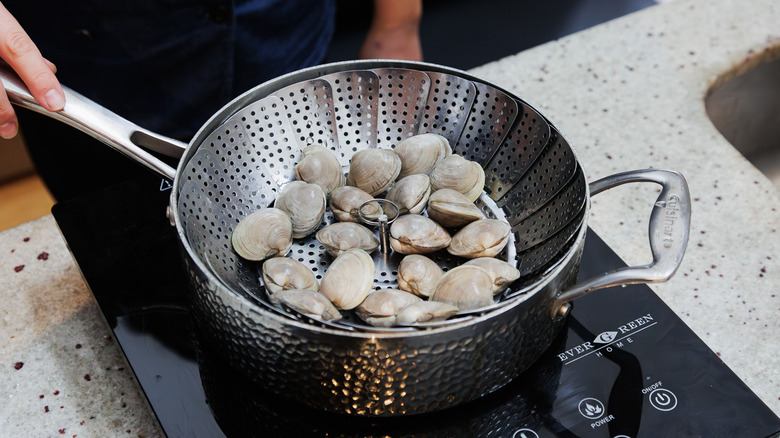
310 303
415 234
380 307
452 209
305 204
459 174
342 236
420 153
373 170
281 273
418 274
410 193
500 271
424 311
263 234
319 166
482 238
466 287
349 279
345 202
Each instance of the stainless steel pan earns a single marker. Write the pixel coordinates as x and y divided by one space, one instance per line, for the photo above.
240 158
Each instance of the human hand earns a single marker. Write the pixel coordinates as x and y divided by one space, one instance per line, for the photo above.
394 32
21 54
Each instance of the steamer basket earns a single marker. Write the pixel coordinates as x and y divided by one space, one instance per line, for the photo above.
239 160
532 177
533 180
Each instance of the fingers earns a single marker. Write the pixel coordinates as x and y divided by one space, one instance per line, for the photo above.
18 50
51 65
8 123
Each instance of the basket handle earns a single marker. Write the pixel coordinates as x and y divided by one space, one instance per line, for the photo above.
670 223
87 116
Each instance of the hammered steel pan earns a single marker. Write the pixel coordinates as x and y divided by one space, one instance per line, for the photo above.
239 160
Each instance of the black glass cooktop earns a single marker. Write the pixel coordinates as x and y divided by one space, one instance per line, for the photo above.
625 366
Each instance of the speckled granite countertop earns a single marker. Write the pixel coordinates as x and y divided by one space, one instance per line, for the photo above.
628 94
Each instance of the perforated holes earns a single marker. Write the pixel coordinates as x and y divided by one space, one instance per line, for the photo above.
355 112
402 95
492 114
517 152
272 137
309 107
447 108
553 216
549 174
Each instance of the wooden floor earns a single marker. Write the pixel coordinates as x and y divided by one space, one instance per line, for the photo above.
22 200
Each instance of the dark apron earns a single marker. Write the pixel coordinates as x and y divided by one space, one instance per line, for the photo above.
166 65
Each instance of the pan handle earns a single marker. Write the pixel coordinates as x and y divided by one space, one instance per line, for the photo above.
87 116
670 223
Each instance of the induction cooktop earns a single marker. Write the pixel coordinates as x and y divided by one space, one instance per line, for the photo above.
625 366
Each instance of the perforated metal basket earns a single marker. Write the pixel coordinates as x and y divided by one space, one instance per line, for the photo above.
239 160
242 165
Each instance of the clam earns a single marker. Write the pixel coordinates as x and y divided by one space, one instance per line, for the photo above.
415 234
500 271
424 311
418 274
345 202
380 307
319 166
281 273
459 174
305 204
482 238
263 234
410 193
310 303
373 170
349 279
420 153
342 236
452 209
466 287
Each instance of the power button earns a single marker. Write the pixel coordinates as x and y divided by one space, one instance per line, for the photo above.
663 400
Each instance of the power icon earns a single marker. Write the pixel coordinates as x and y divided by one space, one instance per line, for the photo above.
663 400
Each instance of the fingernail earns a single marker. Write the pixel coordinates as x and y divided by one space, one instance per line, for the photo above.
8 130
54 100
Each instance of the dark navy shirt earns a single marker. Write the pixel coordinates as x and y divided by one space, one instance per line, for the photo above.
168 65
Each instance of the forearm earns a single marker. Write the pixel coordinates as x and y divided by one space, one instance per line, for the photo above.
395 31
393 14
